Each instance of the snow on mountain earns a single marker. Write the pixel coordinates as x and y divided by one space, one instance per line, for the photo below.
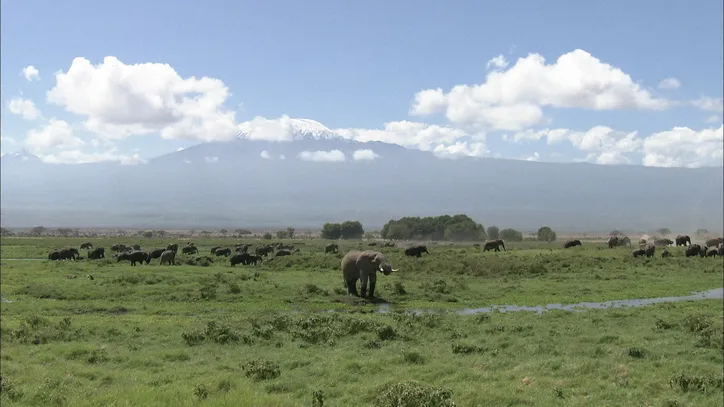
285 129
22 155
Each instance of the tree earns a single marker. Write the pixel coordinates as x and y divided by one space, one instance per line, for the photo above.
267 236
148 234
5 232
546 234
290 232
493 232
352 229
332 231
282 234
159 233
65 232
223 232
445 227
205 233
511 235
663 231
702 232
38 230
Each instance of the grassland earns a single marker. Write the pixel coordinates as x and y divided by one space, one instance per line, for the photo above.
221 336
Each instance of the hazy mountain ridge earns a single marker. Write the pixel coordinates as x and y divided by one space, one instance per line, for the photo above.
229 184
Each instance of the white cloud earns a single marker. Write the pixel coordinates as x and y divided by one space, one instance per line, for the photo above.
121 100
461 149
513 99
366 154
79 157
684 147
55 134
670 83
322 156
709 104
23 107
534 157
497 62
265 155
713 119
31 73
211 160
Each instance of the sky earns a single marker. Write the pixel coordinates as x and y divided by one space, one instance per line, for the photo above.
635 82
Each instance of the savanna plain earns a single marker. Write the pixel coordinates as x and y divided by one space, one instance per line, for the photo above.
285 333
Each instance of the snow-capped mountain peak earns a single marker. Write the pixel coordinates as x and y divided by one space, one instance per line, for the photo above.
21 155
285 129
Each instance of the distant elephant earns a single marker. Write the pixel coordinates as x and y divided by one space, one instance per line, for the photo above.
416 251
68 254
642 242
263 250
638 252
693 250
476 245
214 249
54 255
711 251
243 248
134 257
663 242
572 243
119 247
190 250
331 248
156 253
682 240
172 246
388 244
282 253
97 253
223 252
363 266
665 254
168 256
494 244
86 245
202 259
650 249
136 247
615 241
244 258
720 248
715 241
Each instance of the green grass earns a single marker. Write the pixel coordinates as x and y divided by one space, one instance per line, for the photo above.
176 335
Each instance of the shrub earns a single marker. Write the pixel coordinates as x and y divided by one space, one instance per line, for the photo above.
261 369
413 394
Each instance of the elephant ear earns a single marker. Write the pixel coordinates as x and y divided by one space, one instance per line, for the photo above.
364 261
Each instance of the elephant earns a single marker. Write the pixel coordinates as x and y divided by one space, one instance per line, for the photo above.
134 257
86 245
54 255
665 253
214 249
172 246
363 266
332 247
190 250
156 253
168 256
242 248
136 247
638 252
715 241
280 253
244 258
720 248
494 244
223 252
68 254
388 244
201 259
663 242
615 241
263 250
97 253
416 251
682 240
693 250
650 249
711 251
642 242
119 247
572 243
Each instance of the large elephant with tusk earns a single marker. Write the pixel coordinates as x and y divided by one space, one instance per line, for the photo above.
363 266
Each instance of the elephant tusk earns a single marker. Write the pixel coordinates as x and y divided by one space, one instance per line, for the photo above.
394 270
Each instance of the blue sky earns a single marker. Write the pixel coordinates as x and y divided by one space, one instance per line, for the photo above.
355 66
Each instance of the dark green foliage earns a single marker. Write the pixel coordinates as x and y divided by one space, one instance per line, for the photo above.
413 394
493 233
511 235
261 369
546 234
351 229
451 228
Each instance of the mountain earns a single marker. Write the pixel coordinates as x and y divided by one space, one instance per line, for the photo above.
250 182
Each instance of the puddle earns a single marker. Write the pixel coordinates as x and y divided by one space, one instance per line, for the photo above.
717 293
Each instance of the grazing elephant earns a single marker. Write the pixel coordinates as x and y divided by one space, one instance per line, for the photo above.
663 242
134 257
682 240
416 251
86 245
332 247
572 243
201 259
68 254
714 242
214 249
494 244
119 247
638 252
264 250
244 258
711 251
665 254
650 249
242 248
168 256
190 250
615 241
54 255
223 252
156 253
97 253
136 247
363 266
693 250
642 242
172 246
280 253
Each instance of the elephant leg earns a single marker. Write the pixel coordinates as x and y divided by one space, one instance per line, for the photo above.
363 277
373 282
352 287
